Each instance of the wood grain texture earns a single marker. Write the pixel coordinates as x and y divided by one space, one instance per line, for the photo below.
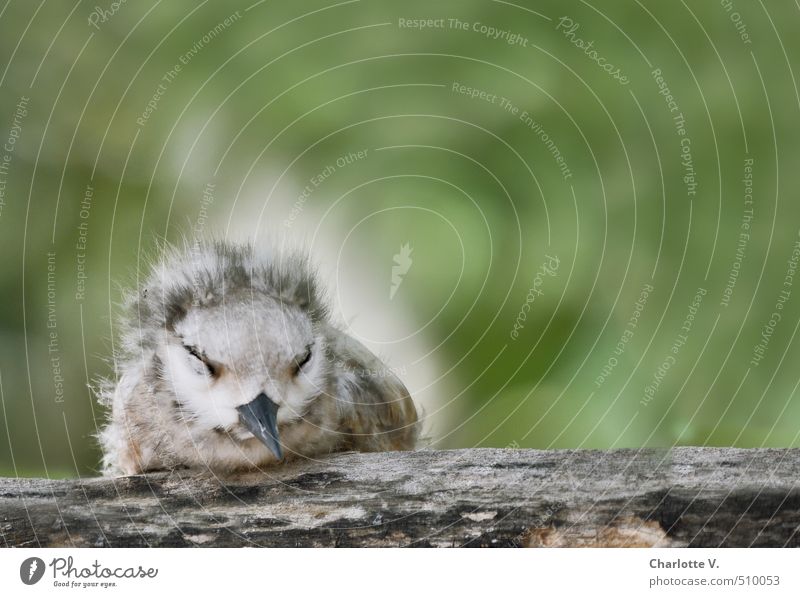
480 497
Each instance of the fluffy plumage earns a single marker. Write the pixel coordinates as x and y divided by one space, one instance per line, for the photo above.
213 327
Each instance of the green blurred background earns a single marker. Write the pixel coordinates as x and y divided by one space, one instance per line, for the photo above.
554 160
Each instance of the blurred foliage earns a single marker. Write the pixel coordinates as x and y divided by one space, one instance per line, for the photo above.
284 90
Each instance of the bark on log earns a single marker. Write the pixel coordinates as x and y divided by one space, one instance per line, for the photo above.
481 497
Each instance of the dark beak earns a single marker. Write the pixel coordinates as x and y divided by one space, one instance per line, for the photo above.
260 418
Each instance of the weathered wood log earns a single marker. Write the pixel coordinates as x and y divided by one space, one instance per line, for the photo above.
481 497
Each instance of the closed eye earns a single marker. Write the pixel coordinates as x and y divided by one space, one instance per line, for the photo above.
200 357
302 361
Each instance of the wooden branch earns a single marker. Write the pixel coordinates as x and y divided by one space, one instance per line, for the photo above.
482 497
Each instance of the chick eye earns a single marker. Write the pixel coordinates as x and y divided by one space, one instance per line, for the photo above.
196 354
301 362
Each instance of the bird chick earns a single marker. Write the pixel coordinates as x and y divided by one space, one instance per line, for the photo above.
229 361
